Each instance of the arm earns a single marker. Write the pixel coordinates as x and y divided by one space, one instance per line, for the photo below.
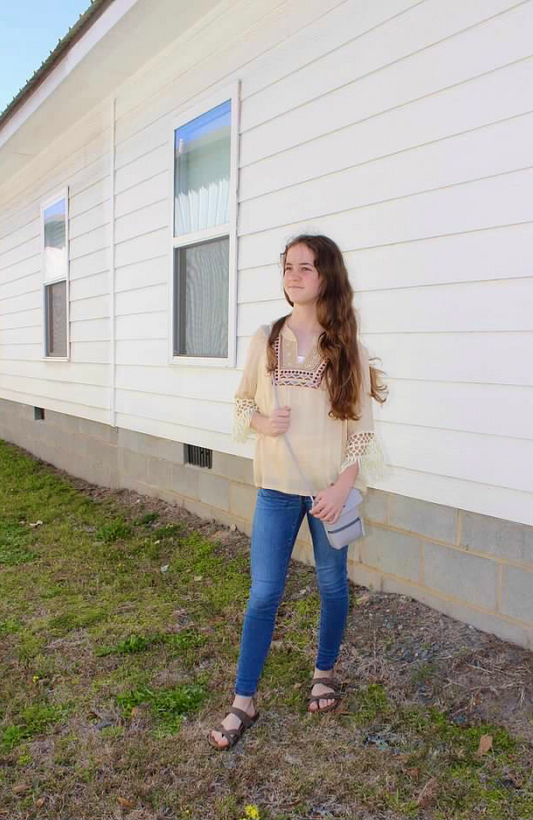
362 448
244 407
246 415
362 453
260 423
347 478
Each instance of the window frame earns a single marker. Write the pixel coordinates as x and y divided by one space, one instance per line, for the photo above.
46 203
229 229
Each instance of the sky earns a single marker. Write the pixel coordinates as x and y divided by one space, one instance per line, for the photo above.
29 31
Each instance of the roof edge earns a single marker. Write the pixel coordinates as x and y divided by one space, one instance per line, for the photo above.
73 35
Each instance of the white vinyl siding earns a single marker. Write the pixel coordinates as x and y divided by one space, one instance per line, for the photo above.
415 155
81 385
400 128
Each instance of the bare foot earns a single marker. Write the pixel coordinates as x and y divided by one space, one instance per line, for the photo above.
320 689
231 721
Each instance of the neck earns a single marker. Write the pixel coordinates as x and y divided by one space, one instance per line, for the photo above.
304 318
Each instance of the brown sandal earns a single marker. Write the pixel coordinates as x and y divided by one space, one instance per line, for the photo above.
336 696
233 735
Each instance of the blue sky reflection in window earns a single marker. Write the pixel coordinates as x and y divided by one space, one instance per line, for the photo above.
202 171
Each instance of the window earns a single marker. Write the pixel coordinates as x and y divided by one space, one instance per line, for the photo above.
204 233
54 232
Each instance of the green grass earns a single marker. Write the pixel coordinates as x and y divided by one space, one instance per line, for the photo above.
113 531
168 706
181 643
32 719
372 702
91 628
15 538
9 626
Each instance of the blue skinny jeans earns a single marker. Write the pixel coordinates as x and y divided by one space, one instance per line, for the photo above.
277 520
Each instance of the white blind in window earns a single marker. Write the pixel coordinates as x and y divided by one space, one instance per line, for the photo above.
56 319
55 249
202 307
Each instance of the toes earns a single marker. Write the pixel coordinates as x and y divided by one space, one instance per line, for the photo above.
321 704
217 737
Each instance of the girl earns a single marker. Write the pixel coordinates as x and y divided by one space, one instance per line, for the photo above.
326 386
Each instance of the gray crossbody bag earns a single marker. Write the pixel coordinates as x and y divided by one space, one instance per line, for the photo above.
349 525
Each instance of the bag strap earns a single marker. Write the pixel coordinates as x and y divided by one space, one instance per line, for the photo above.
289 446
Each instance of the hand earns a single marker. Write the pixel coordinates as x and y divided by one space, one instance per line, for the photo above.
278 422
329 503
273 425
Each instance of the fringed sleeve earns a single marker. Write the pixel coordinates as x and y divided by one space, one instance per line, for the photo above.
244 405
362 445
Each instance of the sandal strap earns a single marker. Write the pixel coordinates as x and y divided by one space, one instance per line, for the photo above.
231 735
324 682
245 719
330 682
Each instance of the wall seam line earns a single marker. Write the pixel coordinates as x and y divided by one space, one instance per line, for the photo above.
112 409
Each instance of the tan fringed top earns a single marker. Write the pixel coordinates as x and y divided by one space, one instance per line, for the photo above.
324 446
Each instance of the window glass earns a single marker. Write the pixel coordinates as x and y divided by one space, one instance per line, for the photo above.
202 171
55 251
201 306
56 319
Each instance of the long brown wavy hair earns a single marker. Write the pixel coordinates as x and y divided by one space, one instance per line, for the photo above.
338 342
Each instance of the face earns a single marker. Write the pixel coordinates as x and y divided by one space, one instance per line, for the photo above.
301 279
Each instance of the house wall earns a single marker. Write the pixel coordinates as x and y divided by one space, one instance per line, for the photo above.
473 567
81 160
402 129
